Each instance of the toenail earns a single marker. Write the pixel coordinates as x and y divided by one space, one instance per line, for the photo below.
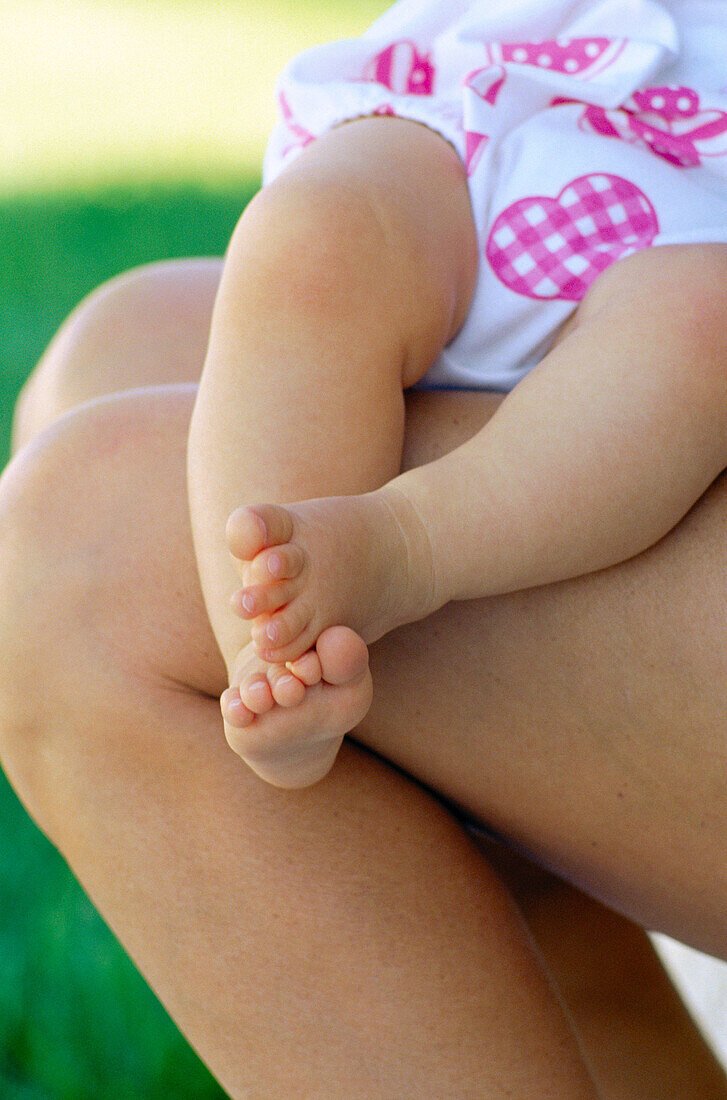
271 632
228 697
248 602
274 564
232 706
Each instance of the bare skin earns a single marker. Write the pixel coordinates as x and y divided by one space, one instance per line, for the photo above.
386 338
135 788
312 340
437 533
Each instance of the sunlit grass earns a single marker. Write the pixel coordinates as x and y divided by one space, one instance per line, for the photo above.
103 90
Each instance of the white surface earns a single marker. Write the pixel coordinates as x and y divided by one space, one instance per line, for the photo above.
702 982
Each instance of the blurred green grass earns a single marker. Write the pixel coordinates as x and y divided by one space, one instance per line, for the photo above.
55 249
77 1022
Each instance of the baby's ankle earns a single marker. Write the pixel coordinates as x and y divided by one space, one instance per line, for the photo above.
421 595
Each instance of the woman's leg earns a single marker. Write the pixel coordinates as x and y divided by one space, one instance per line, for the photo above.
147 327
347 941
618 678
638 1036
623 1055
593 734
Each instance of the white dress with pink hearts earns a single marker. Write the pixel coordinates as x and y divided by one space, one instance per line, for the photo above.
589 129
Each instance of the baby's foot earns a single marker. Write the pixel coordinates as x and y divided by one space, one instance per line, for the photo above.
288 722
361 561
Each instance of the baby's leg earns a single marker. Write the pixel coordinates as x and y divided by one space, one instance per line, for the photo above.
595 456
602 448
342 283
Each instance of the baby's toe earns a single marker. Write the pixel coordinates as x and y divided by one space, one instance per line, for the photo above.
276 563
256 694
250 529
343 655
307 668
251 602
283 636
246 534
287 689
234 711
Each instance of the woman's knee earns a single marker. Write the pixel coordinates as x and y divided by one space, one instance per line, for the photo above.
71 547
47 538
146 327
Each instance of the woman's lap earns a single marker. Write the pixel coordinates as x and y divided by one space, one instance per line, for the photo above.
250 910
576 715
578 709
124 764
546 670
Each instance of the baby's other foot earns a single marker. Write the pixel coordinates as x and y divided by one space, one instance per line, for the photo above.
260 685
318 563
288 722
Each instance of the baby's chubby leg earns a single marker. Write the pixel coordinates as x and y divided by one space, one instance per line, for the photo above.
602 448
595 456
343 281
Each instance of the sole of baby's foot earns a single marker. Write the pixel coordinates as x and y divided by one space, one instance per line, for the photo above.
288 723
354 560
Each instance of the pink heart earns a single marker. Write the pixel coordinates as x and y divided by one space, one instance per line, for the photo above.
555 248
474 148
403 69
668 119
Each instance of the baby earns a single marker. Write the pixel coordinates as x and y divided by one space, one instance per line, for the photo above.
469 197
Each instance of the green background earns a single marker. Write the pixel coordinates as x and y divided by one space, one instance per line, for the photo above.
77 1022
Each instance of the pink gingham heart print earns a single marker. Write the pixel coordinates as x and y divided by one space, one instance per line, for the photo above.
546 248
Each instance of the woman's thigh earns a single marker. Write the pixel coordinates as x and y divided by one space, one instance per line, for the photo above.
348 940
135 314
567 717
586 721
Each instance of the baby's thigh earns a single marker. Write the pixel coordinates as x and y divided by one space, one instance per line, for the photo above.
664 283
